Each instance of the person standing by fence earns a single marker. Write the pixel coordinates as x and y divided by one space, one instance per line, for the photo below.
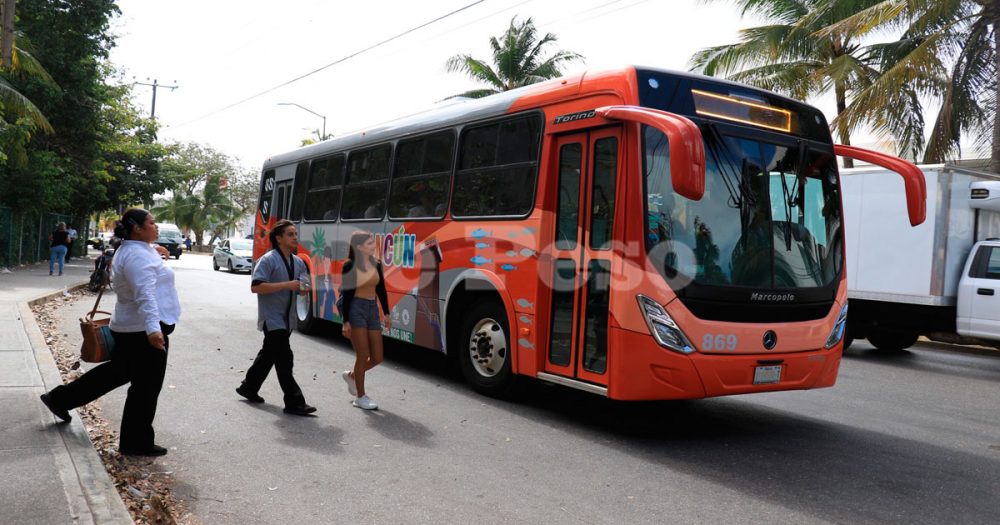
58 241
72 239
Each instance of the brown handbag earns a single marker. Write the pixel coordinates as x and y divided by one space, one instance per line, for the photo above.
97 340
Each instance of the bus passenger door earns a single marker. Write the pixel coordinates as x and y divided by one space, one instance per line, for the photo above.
587 168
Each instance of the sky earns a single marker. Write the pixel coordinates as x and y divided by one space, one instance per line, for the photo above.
221 52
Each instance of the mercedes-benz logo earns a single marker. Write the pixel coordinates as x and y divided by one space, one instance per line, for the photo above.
770 339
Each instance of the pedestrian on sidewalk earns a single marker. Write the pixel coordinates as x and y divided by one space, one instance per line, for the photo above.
146 313
72 239
279 275
58 240
363 284
187 243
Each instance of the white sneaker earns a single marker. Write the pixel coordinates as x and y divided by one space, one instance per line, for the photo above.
365 403
352 387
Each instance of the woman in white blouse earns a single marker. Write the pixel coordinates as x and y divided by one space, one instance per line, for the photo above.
145 314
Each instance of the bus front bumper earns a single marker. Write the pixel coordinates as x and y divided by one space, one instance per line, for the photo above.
640 369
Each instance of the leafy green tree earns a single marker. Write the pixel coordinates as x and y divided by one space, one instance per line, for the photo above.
102 154
131 157
202 180
244 191
518 61
73 39
190 165
798 53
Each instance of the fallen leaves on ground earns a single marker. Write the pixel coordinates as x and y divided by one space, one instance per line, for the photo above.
142 484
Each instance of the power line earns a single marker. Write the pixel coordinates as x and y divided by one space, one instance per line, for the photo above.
622 8
331 64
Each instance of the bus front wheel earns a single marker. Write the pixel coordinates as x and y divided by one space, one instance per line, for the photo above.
484 350
307 324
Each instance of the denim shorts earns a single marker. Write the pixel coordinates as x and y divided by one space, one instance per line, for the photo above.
364 313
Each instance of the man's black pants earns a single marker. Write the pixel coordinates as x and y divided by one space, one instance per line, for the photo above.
133 361
276 352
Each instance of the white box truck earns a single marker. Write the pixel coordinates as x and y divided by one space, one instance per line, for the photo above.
940 279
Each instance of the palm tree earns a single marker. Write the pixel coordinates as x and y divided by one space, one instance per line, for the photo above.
797 54
15 104
179 209
950 46
517 61
214 211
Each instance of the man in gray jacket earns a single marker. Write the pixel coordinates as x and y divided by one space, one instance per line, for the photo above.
279 275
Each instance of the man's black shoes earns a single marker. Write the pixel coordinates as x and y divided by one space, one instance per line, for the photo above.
301 410
60 413
250 396
152 451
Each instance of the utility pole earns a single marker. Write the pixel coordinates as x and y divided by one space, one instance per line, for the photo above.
7 33
154 85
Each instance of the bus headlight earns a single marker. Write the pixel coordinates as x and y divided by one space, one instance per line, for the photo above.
662 326
838 329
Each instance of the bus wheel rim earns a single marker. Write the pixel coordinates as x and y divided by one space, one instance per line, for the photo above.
487 347
302 307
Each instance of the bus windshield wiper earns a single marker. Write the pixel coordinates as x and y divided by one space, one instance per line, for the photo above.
739 195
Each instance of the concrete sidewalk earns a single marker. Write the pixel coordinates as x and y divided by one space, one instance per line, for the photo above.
49 472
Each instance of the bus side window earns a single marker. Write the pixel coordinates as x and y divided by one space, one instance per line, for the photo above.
367 182
498 169
422 177
326 179
279 202
299 191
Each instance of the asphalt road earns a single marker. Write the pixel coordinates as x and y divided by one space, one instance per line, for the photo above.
907 438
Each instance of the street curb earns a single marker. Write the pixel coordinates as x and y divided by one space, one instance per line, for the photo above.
44 298
82 467
939 346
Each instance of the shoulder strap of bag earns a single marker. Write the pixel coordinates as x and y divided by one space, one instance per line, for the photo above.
97 302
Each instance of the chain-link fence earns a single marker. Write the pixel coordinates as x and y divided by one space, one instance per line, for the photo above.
24 237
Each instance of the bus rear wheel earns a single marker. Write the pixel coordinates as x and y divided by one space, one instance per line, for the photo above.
484 350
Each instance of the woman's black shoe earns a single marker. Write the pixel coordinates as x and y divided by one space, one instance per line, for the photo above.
250 396
301 410
155 450
60 413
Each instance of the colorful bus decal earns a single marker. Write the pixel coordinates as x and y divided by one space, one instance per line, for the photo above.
397 249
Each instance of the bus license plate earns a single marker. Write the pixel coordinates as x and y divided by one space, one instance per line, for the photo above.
766 375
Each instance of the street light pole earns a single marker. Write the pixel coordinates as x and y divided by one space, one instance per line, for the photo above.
323 136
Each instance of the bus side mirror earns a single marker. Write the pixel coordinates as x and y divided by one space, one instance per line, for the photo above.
687 150
913 178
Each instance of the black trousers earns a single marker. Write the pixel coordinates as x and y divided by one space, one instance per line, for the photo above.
276 352
134 361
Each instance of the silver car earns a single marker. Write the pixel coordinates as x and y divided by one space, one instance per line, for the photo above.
233 254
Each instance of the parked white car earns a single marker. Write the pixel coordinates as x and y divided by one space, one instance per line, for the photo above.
233 254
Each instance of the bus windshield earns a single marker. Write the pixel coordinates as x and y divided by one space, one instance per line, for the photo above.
769 218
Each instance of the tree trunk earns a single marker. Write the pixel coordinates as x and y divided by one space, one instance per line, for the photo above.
7 33
995 156
845 135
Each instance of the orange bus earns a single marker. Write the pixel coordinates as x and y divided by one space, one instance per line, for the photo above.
638 233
